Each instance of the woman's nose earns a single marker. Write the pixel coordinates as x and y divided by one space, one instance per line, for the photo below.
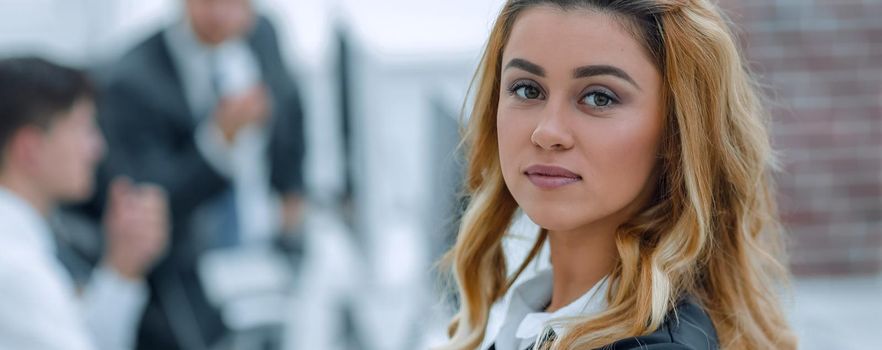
553 133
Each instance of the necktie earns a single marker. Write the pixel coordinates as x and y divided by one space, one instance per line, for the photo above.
228 213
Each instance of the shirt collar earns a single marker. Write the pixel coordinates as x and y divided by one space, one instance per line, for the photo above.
535 295
231 66
28 227
184 42
182 37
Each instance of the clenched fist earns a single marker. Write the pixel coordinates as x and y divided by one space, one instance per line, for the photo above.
233 113
136 226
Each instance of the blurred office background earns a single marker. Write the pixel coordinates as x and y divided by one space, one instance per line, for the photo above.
383 83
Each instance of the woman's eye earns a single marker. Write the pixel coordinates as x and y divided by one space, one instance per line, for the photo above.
528 92
598 99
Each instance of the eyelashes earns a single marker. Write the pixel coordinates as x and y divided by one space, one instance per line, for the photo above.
600 98
526 90
595 97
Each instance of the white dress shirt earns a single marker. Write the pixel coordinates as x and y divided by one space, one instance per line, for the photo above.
519 319
244 162
39 307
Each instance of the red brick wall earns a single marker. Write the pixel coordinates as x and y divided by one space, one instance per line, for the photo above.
822 61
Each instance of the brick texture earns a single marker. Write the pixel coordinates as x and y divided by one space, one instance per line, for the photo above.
821 63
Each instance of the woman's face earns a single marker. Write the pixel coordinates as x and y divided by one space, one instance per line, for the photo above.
579 118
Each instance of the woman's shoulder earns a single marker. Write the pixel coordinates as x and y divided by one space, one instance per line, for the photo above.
687 327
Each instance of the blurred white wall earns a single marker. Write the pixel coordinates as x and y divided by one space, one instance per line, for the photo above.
407 57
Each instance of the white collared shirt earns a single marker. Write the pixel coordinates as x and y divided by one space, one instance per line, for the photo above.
244 162
39 307
524 318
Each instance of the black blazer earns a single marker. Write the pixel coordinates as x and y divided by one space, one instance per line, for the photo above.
687 327
149 127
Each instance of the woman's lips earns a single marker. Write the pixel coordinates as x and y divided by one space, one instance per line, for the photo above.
550 177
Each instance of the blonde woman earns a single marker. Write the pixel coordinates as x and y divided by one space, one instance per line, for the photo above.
631 133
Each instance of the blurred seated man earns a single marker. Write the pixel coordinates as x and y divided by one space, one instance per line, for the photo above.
49 147
206 109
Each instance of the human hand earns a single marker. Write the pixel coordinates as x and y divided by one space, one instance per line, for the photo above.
136 227
292 212
236 112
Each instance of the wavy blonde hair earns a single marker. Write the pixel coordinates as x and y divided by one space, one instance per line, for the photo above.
711 229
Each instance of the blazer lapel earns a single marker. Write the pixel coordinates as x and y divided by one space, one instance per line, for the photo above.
169 92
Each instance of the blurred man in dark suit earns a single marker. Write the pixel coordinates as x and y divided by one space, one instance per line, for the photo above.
206 109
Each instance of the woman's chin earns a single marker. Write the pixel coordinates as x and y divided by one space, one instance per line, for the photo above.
554 221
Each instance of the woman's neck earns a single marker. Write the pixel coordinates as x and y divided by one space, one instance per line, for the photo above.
580 259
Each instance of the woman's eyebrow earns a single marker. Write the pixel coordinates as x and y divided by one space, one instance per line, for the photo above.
580 72
525 65
594 70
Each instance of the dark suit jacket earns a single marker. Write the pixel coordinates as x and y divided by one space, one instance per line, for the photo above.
687 327
143 112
